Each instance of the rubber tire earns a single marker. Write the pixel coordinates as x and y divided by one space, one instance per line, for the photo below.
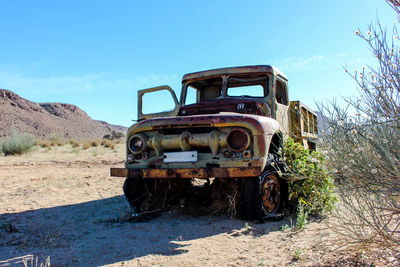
251 207
135 192
249 195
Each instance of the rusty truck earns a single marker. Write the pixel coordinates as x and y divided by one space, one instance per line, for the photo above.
227 129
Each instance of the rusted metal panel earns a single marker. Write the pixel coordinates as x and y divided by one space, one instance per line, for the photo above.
258 125
173 112
234 70
119 172
251 106
185 141
231 172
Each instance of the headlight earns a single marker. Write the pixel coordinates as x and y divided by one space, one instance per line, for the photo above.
238 139
137 143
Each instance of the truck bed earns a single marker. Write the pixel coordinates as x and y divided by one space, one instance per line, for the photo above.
303 124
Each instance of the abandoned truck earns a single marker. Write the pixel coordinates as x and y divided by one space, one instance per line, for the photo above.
227 129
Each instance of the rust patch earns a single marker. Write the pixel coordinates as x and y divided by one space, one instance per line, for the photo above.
230 172
232 70
251 106
119 172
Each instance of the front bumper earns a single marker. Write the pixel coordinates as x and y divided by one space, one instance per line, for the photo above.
217 172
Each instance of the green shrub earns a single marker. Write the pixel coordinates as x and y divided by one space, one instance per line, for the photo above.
17 144
309 184
302 216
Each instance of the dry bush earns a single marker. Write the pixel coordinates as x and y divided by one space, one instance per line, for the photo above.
119 141
117 137
224 197
90 143
94 143
86 145
36 262
107 136
56 139
74 143
42 143
45 144
108 143
363 144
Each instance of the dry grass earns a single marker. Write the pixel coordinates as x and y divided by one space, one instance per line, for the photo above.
51 140
56 139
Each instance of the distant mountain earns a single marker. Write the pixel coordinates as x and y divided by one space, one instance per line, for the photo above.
42 119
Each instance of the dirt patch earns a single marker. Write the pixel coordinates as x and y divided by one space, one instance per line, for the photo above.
65 206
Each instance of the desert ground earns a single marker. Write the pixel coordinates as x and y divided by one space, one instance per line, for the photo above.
61 205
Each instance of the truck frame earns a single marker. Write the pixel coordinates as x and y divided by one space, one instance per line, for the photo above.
232 132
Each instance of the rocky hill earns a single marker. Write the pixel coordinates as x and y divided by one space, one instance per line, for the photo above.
42 119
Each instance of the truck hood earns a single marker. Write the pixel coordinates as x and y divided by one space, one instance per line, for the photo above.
258 125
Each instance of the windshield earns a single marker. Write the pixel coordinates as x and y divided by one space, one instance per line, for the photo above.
248 86
203 90
237 86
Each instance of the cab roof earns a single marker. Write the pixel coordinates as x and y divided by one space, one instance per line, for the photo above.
234 70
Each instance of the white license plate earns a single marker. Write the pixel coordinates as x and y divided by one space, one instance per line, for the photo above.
184 156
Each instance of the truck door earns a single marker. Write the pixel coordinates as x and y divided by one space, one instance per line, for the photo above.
157 102
282 105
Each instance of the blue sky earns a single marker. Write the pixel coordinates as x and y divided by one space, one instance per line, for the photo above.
97 54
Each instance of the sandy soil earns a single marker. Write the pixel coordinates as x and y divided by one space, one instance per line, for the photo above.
63 205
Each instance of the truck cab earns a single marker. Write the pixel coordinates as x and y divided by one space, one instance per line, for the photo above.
259 90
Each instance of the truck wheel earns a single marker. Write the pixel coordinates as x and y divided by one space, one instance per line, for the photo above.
135 192
262 197
271 196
